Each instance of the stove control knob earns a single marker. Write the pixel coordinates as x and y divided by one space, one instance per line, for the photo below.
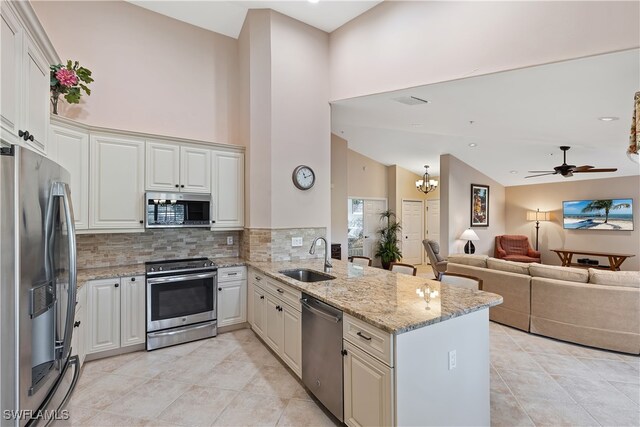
211 264
152 269
204 265
159 268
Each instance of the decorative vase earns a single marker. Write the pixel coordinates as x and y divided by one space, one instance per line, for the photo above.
54 102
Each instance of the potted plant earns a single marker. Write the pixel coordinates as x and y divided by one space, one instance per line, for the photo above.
387 248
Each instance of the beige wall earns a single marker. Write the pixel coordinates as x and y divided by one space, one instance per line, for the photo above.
456 178
459 39
549 197
152 73
339 194
366 178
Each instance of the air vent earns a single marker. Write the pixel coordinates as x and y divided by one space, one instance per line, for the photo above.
411 100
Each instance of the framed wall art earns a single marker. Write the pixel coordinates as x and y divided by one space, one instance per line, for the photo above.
479 205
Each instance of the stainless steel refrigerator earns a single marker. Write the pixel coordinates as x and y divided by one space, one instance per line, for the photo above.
37 288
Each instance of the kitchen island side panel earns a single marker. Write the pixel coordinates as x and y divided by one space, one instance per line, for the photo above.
428 393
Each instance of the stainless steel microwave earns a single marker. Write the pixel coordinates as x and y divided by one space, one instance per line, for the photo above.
171 210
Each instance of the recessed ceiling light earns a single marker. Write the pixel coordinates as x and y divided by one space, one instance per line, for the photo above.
473 144
608 119
513 172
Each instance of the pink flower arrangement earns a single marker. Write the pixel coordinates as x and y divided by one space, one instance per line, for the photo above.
66 77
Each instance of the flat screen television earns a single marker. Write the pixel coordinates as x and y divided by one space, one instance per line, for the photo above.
601 214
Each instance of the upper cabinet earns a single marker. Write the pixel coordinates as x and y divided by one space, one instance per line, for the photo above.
26 55
227 186
116 198
172 167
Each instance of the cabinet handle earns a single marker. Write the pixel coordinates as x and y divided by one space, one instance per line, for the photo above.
344 352
232 274
281 291
182 186
177 186
361 335
141 221
278 307
258 278
25 135
30 138
219 289
117 285
21 133
261 296
76 324
133 279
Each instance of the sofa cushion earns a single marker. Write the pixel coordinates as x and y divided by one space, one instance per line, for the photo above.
559 273
466 259
629 279
510 266
521 258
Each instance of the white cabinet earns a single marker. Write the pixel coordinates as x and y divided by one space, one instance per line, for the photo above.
232 296
70 148
368 389
276 318
172 167
132 306
228 189
162 167
115 313
25 78
117 182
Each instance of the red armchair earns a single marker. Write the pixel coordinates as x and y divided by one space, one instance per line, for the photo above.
515 248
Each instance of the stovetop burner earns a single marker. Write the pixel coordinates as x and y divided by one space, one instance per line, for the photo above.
189 264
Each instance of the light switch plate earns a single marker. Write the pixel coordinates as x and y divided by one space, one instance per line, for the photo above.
452 359
229 240
296 242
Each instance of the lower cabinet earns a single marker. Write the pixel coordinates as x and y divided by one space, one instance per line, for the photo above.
78 341
277 322
368 389
115 313
232 296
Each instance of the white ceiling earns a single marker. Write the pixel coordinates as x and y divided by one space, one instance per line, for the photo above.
520 118
227 17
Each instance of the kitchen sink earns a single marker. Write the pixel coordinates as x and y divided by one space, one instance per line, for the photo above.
306 275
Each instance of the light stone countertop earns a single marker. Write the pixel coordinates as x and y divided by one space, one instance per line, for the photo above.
87 274
381 298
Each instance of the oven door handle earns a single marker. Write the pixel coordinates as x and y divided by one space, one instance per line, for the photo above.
181 278
180 330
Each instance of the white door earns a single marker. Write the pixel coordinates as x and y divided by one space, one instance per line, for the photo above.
10 72
371 223
412 221
36 74
232 302
258 311
132 305
228 189
368 389
103 304
117 182
162 167
433 220
273 326
72 153
292 344
195 170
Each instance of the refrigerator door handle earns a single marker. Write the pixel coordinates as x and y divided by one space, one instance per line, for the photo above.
61 189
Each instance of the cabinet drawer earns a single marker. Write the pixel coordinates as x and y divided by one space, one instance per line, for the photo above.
285 293
257 279
229 274
377 343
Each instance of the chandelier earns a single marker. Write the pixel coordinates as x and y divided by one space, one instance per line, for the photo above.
426 185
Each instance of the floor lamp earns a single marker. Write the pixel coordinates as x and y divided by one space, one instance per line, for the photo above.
538 216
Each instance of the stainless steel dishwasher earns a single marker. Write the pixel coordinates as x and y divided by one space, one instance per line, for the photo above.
322 353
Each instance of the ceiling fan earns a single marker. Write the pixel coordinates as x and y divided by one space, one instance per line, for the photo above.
568 170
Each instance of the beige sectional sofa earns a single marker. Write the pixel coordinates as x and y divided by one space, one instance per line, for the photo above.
592 307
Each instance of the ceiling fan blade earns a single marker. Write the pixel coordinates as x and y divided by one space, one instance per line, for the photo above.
581 168
541 171
542 174
596 170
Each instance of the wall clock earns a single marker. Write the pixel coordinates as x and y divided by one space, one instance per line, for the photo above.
303 177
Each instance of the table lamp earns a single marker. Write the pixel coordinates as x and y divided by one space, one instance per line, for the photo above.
469 235
538 216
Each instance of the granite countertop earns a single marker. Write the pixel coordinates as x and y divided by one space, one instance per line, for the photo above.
87 274
381 298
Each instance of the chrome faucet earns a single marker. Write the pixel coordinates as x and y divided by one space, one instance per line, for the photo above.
327 263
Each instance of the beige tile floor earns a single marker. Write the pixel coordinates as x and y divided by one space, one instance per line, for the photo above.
233 380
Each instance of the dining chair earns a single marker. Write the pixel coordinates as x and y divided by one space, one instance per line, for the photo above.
360 260
398 267
461 280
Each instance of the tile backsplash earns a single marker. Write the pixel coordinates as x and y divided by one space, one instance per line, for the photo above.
105 250
265 244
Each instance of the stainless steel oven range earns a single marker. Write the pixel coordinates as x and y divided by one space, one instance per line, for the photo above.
181 301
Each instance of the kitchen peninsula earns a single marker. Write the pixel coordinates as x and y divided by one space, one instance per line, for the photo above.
406 362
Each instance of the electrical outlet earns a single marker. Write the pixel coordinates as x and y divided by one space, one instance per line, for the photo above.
229 240
452 359
296 242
